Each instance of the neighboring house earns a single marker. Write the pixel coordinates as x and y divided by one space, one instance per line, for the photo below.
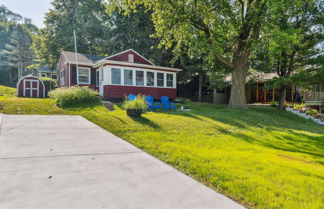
316 95
118 75
256 90
45 71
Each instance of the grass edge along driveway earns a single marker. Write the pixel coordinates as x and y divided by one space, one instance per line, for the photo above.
260 157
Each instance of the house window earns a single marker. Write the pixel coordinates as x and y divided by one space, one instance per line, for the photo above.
160 79
62 77
115 76
128 77
83 75
43 74
150 78
130 57
54 76
169 80
139 78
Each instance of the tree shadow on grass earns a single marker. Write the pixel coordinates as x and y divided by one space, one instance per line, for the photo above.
313 146
145 121
261 117
287 127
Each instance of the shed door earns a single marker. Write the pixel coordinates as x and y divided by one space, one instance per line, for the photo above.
31 88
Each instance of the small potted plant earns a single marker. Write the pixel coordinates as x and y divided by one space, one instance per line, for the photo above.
136 107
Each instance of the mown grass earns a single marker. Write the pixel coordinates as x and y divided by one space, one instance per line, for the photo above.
261 157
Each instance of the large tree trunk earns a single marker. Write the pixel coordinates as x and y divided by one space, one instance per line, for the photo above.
200 88
238 97
282 99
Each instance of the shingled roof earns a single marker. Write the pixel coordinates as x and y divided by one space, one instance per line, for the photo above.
256 77
82 58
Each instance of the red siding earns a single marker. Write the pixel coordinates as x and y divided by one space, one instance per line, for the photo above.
124 58
41 88
111 91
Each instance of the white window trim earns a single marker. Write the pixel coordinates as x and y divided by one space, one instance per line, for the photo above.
109 79
89 70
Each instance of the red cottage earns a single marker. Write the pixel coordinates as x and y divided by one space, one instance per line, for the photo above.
118 75
30 86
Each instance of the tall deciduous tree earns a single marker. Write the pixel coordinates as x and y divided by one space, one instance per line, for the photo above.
86 17
292 42
225 30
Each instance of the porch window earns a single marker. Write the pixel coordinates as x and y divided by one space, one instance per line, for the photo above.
139 78
150 78
169 80
83 75
128 77
115 76
160 79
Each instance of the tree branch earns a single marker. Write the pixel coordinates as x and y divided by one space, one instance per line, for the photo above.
201 26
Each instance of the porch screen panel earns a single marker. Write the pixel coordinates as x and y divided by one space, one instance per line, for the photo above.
150 78
115 76
128 77
169 80
160 79
139 78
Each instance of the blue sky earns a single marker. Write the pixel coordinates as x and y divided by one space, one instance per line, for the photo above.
33 9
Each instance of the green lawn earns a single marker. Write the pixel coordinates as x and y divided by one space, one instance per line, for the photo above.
260 157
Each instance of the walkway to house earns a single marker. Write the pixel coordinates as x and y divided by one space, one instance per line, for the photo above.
68 162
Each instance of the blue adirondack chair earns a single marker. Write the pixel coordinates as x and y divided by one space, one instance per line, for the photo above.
167 105
150 103
131 97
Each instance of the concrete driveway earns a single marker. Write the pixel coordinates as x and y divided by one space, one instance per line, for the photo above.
67 162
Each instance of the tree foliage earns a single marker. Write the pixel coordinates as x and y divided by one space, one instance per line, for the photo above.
134 31
220 31
15 44
87 18
292 45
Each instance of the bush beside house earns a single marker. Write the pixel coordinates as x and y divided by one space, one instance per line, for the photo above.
50 84
74 96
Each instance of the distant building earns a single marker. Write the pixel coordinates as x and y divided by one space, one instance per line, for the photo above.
45 71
